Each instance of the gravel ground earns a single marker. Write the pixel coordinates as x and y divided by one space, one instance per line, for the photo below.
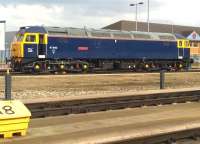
35 87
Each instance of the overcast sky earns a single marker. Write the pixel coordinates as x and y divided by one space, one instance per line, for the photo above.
95 13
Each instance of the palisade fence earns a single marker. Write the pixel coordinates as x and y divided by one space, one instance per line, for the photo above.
4 54
196 58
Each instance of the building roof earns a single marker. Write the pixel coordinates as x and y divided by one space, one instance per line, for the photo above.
154 27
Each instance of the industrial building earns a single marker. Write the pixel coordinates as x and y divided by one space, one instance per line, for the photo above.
154 27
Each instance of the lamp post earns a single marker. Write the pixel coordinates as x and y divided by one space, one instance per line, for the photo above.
136 13
148 13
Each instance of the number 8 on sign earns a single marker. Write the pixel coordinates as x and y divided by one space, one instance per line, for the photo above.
7 110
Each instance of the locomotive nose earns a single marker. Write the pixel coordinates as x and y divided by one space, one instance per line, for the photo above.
16 50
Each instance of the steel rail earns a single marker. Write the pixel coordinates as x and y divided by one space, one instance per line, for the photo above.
191 135
65 107
100 72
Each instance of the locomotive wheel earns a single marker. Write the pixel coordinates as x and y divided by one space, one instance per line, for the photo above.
37 68
85 68
64 72
62 67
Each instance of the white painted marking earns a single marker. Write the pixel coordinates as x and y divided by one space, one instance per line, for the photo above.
41 56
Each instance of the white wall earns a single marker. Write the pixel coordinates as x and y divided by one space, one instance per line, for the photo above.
2 35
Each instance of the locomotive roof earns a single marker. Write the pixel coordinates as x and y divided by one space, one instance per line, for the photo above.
101 33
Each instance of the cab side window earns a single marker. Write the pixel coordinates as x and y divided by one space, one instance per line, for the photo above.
187 44
180 44
30 38
41 39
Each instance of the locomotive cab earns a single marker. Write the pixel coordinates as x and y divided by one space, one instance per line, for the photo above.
35 45
27 47
183 46
30 45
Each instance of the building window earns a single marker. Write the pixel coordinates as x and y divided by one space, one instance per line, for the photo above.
195 44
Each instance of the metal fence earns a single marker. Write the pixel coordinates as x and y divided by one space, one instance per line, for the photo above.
4 54
196 58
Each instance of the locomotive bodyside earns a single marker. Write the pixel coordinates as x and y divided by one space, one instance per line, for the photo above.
88 48
54 49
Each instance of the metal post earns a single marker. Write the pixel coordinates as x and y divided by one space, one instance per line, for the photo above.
136 13
162 79
5 41
148 17
136 19
8 81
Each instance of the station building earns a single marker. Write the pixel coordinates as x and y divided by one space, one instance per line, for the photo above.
194 38
188 32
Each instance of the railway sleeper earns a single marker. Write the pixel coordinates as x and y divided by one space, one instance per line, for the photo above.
83 106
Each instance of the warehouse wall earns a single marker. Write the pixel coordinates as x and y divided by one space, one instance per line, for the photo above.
6 54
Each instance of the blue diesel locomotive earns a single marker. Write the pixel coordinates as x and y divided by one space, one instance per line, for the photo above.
55 49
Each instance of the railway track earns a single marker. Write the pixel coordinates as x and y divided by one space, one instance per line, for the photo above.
169 124
65 107
98 72
191 136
